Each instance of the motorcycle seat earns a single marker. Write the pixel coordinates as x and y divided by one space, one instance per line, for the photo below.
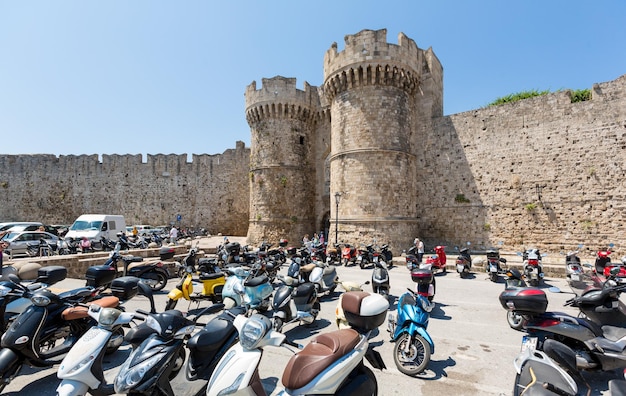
211 275
615 334
256 281
82 311
307 267
304 290
212 336
317 356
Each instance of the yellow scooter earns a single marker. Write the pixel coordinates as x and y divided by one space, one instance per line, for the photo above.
211 276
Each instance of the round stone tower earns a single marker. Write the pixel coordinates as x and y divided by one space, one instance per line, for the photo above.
373 89
282 177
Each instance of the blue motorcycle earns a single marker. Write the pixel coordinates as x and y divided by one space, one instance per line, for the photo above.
408 330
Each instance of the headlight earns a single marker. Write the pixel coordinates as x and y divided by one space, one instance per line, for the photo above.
253 331
108 316
426 305
129 378
40 301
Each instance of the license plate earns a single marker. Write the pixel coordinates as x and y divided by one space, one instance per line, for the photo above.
493 269
534 271
575 277
375 259
459 267
528 343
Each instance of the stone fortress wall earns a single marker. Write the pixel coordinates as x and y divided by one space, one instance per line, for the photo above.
542 171
211 191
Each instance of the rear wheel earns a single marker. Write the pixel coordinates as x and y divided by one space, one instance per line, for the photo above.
493 276
515 320
411 357
158 277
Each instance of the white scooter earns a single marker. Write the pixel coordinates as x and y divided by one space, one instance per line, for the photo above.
81 370
331 364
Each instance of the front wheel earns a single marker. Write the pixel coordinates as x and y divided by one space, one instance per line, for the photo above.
515 320
411 356
171 304
278 324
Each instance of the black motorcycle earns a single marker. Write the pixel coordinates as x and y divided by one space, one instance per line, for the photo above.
45 332
160 357
152 273
380 279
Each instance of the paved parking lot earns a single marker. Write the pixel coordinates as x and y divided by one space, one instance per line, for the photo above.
474 346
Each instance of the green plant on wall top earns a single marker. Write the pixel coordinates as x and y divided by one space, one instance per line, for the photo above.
283 180
580 95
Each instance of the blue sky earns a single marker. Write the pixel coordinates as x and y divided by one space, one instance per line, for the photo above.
152 76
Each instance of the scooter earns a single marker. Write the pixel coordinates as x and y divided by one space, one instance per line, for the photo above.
380 279
322 275
332 255
386 255
548 372
153 273
210 275
597 347
464 263
160 357
294 302
604 266
81 370
245 288
45 332
367 256
424 279
348 254
533 269
207 346
437 261
14 292
572 264
413 345
493 264
514 280
331 364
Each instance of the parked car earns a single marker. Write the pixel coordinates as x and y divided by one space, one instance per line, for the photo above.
20 239
23 224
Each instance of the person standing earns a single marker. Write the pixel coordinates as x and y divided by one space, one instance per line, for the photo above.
419 245
173 235
3 245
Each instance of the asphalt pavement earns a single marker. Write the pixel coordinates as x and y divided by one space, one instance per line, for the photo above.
474 346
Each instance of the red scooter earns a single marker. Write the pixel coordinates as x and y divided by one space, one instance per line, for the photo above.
437 260
348 254
603 266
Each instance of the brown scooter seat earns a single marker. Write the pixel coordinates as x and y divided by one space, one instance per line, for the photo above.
308 267
317 356
82 311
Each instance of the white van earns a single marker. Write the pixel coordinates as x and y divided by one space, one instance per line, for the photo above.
95 226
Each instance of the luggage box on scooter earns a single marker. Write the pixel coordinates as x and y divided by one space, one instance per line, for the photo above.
100 275
363 310
233 247
422 276
525 300
166 253
283 242
52 274
125 287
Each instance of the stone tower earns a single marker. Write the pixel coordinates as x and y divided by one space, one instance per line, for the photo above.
283 185
377 107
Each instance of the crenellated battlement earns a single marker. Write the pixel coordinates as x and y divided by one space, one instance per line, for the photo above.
279 98
370 47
